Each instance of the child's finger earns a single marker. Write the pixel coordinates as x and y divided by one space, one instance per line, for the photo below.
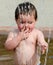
27 30
23 29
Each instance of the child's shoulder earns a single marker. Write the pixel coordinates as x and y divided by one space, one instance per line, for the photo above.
38 31
13 32
39 34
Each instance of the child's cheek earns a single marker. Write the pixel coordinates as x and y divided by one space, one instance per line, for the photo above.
20 27
32 27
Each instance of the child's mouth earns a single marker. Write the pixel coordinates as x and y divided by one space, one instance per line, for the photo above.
26 29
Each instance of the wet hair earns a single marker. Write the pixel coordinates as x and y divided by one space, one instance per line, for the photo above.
24 8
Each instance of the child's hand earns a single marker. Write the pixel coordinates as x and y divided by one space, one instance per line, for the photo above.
43 49
24 34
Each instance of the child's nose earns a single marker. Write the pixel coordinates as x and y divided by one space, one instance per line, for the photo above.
26 24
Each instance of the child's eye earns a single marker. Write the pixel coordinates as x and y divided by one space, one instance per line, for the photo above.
29 22
22 22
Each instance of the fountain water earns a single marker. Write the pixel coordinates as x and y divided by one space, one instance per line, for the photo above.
49 36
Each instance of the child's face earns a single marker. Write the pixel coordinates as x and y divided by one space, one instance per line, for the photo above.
26 22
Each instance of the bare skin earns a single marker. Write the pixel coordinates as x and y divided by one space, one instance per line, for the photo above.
25 41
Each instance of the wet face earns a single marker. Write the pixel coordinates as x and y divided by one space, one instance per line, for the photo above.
26 22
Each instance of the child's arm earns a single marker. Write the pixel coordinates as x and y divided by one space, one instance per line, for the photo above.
12 41
42 43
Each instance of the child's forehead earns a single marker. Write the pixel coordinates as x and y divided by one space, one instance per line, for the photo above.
30 13
26 16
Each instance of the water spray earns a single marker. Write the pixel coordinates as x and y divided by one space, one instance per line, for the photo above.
46 56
